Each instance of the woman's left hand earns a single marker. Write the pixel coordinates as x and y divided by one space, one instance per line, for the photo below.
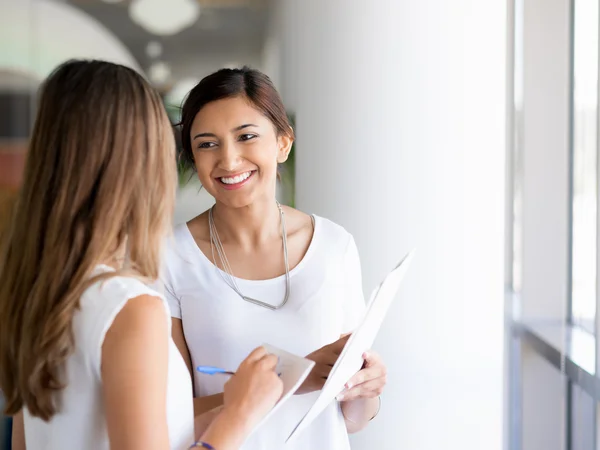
368 382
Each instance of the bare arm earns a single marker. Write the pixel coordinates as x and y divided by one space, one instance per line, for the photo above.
361 400
357 413
18 432
134 376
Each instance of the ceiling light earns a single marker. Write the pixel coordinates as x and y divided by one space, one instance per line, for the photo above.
154 49
159 73
164 18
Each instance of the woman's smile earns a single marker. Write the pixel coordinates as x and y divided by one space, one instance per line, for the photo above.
236 181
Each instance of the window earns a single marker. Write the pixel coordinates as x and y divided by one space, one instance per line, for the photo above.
555 394
517 153
584 163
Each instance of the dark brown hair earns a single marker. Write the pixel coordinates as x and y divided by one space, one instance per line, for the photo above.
249 83
100 173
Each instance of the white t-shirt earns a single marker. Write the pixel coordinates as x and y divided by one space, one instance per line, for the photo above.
221 329
81 422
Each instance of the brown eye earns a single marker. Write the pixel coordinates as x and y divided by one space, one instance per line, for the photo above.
247 137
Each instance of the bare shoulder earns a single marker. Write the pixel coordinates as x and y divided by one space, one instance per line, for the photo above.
141 317
297 218
138 333
198 227
331 232
298 222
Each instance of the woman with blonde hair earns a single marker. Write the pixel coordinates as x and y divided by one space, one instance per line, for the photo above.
86 358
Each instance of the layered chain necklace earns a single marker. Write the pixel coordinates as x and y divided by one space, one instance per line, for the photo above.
227 274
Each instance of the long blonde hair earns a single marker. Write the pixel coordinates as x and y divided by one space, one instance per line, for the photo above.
100 171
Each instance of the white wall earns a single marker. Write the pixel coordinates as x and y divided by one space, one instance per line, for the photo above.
400 110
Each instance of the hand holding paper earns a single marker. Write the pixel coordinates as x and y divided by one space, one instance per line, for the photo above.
369 381
293 371
324 359
255 388
350 360
265 380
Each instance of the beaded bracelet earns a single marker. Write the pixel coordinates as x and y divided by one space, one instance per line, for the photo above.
202 445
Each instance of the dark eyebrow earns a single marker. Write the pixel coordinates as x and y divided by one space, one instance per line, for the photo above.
204 135
241 127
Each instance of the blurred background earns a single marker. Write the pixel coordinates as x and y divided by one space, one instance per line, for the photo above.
466 129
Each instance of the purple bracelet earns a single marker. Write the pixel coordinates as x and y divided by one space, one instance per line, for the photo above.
202 445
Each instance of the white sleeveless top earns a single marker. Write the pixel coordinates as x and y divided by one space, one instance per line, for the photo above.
81 422
221 329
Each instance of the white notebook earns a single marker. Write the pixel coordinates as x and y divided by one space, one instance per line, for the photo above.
293 369
350 360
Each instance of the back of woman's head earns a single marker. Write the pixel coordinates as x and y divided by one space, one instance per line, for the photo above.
100 175
250 84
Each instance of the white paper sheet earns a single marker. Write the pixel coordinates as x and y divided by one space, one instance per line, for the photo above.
350 360
293 369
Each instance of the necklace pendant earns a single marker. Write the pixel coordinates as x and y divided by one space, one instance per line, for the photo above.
261 303
215 242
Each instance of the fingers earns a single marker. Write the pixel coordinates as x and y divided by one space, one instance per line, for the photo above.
268 362
322 370
368 382
369 389
261 359
372 359
317 378
256 354
366 375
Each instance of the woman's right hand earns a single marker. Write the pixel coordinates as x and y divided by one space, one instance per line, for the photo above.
254 389
324 359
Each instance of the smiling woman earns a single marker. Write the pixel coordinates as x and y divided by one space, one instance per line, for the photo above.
234 146
245 112
250 270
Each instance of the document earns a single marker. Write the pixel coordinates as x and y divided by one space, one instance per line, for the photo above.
350 360
293 369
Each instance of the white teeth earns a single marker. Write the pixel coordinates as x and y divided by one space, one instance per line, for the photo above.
237 179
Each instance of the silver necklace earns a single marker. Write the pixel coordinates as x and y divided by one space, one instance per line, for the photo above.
227 273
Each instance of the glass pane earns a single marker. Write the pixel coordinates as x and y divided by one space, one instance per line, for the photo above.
517 146
583 420
597 447
585 118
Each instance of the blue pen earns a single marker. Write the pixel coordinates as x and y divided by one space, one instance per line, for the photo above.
210 370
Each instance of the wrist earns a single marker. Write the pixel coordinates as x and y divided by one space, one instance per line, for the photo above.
228 431
361 411
239 420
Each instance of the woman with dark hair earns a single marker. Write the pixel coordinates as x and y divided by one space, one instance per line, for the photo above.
250 270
